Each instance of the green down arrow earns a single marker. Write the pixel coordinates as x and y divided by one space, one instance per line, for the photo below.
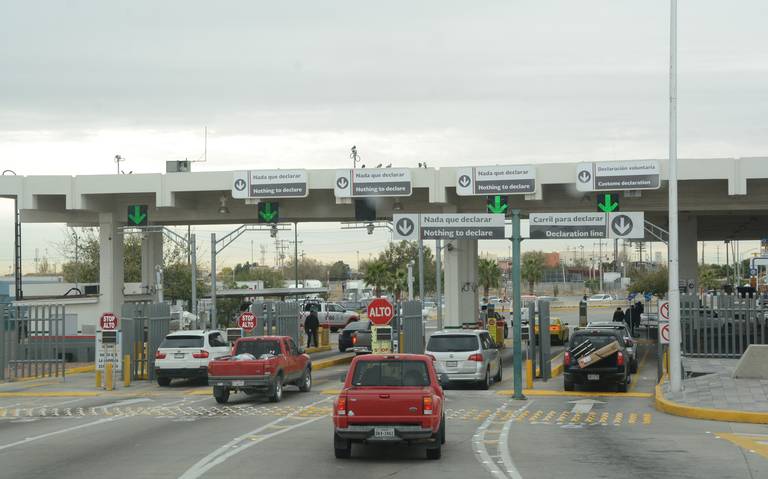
137 216
608 205
267 214
497 206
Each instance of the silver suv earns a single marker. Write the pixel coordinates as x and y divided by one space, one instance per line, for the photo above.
466 356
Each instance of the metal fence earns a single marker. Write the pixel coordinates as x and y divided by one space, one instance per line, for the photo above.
32 341
144 326
722 325
412 326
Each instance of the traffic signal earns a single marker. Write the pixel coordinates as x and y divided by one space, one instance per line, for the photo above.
269 212
496 204
138 215
607 202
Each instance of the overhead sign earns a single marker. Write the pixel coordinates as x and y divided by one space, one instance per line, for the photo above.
628 225
269 212
495 180
365 182
618 175
108 322
608 202
380 311
270 184
138 215
247 321
448 226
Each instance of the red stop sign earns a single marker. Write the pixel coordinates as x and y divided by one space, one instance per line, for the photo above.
380 311
247 321
108 322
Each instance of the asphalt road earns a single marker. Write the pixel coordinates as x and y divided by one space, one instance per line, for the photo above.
182 432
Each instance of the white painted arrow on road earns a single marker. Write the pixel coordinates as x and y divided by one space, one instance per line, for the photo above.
583 406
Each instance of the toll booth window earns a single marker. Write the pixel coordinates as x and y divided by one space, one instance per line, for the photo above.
182 342
391 373
453 343
257 348
217 340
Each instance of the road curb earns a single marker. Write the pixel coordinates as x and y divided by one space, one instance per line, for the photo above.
319 349
328 363
78 370
693 412
49 394
553 393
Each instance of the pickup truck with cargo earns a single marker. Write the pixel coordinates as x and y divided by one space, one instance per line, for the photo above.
330 315
263 364
392 398
596 356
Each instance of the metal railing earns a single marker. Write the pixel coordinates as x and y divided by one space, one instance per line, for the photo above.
32 341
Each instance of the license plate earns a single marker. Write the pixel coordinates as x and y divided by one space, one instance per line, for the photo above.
593 377
179 355
384 433
451 364
238 382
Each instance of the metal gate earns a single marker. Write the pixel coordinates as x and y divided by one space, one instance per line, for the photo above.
721 325
287 317
144 326
412 326
32 341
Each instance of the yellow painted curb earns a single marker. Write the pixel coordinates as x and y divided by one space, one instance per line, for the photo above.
200 392
319 349
78 370
553 393
328 363
726 415
330 392
50 394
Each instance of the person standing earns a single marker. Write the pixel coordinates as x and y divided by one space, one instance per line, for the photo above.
618 315
311 325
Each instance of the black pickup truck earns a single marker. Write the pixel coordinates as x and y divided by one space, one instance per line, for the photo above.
612 369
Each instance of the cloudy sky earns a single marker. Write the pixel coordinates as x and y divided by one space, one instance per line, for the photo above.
296 83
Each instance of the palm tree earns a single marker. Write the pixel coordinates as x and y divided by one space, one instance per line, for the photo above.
489 274
376 273
397 282
532 268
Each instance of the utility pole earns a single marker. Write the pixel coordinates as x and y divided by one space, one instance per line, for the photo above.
421 269
438 283
296 254
516 324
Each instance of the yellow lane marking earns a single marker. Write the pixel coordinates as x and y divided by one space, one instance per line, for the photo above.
646 418
757 443
639 369
327 363
604 418
50 394
618 419
632 418
548 392
331 392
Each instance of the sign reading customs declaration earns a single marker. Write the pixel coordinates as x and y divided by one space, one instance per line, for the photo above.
365 182
495 180
448 226
618 175
270 184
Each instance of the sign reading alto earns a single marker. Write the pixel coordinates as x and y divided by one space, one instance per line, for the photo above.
495 180
365 182
448 226
270 184
618 175
629 225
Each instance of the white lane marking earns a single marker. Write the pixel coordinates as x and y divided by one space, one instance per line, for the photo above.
506 457
61 403
583 406
235 447
481 451
55 433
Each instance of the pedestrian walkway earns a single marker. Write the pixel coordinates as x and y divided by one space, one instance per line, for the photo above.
710 392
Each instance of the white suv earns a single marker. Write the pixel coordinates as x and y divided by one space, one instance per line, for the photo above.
185 354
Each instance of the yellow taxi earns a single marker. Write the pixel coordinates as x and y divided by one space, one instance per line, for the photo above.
559 333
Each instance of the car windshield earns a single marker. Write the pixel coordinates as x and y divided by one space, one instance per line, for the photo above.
182 342
391 373
357 325
597 340
257 348
453 343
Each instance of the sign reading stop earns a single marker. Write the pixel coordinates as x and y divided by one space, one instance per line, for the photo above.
247 321
380 311
108 322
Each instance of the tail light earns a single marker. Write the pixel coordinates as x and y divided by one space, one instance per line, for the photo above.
620 359
554 328
159 355
354 339
201 355
427 405
475 357
341 407
567 358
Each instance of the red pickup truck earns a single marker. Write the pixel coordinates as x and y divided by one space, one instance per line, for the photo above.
390 398
263 364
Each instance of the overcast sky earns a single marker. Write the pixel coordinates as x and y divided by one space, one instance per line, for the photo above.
296 83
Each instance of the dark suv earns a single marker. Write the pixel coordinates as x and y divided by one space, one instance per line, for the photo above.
613 369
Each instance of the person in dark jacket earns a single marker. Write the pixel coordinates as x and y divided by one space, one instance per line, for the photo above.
636 312
311 325
618 315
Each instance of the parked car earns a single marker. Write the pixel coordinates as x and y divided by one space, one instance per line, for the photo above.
629 341
260 364
331 315
613 369
466 356
356 306
186 354
348 336
600 298
390 398
559 332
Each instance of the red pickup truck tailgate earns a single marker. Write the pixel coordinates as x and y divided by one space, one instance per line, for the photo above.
386 405
225 368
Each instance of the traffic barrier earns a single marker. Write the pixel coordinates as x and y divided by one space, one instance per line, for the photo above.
500 335
126 370
98 379
108 376
528 374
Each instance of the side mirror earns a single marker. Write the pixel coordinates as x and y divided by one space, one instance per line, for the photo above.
443 379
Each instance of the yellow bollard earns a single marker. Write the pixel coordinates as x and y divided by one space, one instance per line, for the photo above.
528 374
320 337
327 337
401 344
127 370
98 379
500 335
108 376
